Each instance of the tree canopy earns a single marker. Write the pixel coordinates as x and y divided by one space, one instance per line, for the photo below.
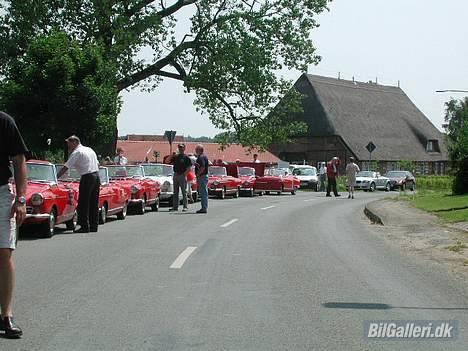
229 52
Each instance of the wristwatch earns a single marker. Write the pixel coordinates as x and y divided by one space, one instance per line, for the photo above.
21 200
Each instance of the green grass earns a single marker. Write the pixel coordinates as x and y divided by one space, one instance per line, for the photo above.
436 183
454 216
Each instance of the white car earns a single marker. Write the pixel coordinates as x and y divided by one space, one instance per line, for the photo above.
306 174
370 181
163 174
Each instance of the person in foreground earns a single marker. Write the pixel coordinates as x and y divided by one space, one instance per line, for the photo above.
182 165
351 170
332 173
201 170
85 161
12 214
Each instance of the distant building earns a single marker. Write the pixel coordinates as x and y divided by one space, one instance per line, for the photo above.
344 116
140 151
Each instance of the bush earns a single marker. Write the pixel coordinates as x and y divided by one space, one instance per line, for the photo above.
460 184
436 183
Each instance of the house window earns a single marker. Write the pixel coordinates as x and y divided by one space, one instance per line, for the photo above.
432 146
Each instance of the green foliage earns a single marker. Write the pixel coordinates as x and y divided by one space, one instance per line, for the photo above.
406 165
230 57
435 183
59 88
456 117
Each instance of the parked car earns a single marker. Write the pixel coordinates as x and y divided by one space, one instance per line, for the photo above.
113 199
48 202
370 181
401 179
142 191
248 181
307 175
278 180
220 184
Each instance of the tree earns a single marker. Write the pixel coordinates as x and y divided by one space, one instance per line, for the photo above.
60 88
456 117
230 56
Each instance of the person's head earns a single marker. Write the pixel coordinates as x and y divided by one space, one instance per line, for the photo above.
237 161
255 156
120 151
181 148
199 149
351 159
72 142
336 160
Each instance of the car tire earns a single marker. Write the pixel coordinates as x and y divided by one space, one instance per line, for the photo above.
252 193
222 195
141 209
48 227
372 187
72 223
122 215
155 206
388 187
103 215
236 194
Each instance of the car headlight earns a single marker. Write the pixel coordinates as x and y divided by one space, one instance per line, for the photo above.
134 189
37 199
216 183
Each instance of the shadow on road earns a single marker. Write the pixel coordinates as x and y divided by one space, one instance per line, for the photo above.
384 306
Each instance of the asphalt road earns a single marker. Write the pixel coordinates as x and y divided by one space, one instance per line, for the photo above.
271 273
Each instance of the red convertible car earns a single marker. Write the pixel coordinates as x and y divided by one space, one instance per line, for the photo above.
278 180
48 202
220 184
142 191
113 199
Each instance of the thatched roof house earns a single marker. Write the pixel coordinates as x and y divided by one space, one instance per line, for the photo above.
344 116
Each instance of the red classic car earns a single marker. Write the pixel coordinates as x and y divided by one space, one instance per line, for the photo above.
113 199
220 184
48 202
278 180
142 191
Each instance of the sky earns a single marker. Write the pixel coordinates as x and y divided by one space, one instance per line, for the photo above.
421 43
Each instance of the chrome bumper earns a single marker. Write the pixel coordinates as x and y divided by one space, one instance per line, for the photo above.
38 215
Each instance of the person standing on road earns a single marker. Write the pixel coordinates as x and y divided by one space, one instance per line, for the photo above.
323 176
12 214
85 161
120 159
332 173
351 170
201 170
182 165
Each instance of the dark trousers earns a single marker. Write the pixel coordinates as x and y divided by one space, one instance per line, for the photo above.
88 201
332 185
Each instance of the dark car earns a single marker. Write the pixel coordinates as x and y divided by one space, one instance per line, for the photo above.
401 180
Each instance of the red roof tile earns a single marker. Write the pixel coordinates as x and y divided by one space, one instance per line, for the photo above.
136 151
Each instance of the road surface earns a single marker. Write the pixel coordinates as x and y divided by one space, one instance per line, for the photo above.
283 272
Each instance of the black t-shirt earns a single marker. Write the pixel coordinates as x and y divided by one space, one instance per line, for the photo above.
11 144
181 163
202 161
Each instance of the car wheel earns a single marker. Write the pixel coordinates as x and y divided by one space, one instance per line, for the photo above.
103 214
252 193
222 195
387 187
122 215
236 194
372 187
155 206
48 228
142 207
72 223
403 187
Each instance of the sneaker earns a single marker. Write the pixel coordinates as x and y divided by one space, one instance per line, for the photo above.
185 209
203 210
328 195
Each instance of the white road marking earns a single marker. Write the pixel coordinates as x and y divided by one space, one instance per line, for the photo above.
180 260
227 224
267 208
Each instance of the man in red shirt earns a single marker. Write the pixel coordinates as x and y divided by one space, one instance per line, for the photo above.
332 173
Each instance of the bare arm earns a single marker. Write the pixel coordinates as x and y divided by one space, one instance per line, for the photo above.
62 172
19 165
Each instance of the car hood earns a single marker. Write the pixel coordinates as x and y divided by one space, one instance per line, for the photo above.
364 178
247 178
306 177
34 187
161 179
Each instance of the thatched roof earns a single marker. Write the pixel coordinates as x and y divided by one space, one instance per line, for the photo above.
363 112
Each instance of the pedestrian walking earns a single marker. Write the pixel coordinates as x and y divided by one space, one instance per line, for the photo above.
182 165
332 173
84 160
351 170
322 176
12 214
201 170
120 159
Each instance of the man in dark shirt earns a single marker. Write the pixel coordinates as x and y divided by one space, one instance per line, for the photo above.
201 169
12 214
182 165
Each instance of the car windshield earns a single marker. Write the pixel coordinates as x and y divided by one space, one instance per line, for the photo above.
368 174
217 171
158 170
134 171
117 172
70 175
276 172
246 171
396 174
41 172
304 171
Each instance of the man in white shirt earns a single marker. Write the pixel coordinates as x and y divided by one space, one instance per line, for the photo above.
120 159
84 160
255 158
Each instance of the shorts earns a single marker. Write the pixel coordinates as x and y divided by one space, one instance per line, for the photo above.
7 224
